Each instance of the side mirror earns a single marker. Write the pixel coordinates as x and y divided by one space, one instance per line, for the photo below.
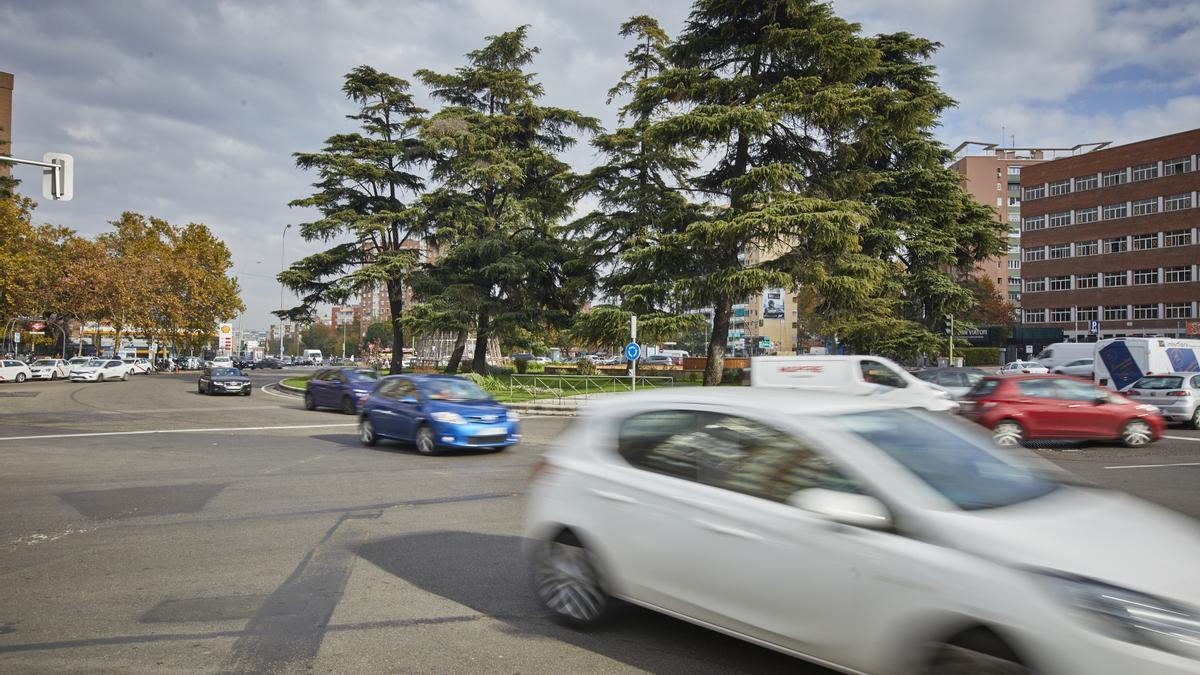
409 399
844 507
1101 399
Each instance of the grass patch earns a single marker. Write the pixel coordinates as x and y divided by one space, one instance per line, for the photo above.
499 388
297 382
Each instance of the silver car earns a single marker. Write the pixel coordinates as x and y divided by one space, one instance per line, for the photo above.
1084 368
1177 396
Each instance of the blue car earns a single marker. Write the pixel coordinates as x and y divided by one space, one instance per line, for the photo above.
345 389
436 411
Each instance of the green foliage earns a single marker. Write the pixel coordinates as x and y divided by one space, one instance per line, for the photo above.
586 367
522 365
607 326
492 384
380 331
980 356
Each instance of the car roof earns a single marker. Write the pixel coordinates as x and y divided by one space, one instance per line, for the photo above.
1181 373
761 399
1033 376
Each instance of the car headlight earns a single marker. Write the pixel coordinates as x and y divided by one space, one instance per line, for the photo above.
1129 615
447 417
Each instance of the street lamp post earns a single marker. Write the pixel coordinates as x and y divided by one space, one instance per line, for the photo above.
282 239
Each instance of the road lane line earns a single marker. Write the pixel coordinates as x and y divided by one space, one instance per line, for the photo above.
1183 438
175 431
1152 466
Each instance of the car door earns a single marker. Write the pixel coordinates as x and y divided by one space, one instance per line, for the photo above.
882 380
381 408
8 370
407 405
1083 416
206 378
1041 409
317 386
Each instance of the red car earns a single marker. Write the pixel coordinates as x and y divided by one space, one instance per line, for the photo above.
1055 407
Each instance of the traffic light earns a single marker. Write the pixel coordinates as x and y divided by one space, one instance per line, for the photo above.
948 324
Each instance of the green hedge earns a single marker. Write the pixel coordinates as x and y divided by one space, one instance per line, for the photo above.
980 356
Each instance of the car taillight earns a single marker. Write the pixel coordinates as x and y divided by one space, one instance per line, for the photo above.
1179 393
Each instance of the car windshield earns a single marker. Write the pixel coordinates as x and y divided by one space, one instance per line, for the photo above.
43 362
960 467
1159 382
362 375
450 389
96 362
226 372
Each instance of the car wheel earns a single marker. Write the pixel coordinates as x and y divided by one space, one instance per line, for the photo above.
247 392
567 582
199 388
1196 418
366 432
424 440
347 405
1136 433
309 403
20 377
125 377
1008 433
53 375
983 654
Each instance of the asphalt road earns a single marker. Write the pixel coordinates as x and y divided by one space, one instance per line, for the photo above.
147 528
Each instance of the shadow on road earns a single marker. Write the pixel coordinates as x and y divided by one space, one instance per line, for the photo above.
488 573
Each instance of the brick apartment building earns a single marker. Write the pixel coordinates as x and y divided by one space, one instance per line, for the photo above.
1111 236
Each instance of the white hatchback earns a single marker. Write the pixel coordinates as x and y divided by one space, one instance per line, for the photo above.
859 535
1023 368
100 370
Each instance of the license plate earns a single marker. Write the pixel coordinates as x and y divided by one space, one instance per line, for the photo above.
492 431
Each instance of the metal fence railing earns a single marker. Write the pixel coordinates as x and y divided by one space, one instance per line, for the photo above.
536 385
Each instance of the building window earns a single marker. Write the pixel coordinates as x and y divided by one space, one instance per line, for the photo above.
1014 202
1014 281
1014 248
1145 242
1177 202
1115 313
1060 187
999 202
1033 254
1177 165
1014 296
1014 170
1145 311
1060 219
1175 275
1145 207
1083 248
1035 316
1086 183
1087 313
1035 192
1177 310
1145 171
1087 215
1115 279
1178 238
1145 277
1086 281
1060 251
1034 223
1015 233
1113 211
1116 245
1014 218
1035 285
1060 283
1014 264
1111 178
1060 315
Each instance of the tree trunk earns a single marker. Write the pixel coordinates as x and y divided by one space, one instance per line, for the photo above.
396 305
460 346
482 332
722 312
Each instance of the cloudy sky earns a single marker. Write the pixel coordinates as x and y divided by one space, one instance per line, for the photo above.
191 110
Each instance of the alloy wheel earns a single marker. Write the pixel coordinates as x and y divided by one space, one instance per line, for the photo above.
347 406
309 403
567 583
1008 433
424 440
1136 433
20 377
1196 418
366 432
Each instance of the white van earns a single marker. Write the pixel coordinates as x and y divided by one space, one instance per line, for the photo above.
857 375
1062 353
315 355
1122 361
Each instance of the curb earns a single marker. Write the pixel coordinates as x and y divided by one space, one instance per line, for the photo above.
288 388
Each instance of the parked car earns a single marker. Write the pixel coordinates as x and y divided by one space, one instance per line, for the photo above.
957 381
1022 408
77 361
139 366
12 370
1084 368
100 370
270 363
858 534
1023 368
1176 395
223 380
49 369
344 388
657 361
434 412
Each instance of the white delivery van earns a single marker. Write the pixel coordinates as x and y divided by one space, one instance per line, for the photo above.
856 375
315 355
1122 361
1062 353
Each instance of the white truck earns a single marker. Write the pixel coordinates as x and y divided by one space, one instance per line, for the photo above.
857 375
1122 361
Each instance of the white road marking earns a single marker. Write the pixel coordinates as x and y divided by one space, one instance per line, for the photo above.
177 410
1183 438
264 390
1152 466
176 431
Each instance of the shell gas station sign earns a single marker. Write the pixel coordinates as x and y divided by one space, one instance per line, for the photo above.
225 338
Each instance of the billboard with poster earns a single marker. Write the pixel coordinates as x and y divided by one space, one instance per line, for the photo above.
773 305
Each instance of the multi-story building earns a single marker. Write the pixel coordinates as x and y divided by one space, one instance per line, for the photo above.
992 175
6 93
374 300
346 316
1111 237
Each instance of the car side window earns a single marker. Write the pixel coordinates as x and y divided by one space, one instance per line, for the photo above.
387 388
752 458
875 372
663 441
1038 388
409 388
1076 391
947 379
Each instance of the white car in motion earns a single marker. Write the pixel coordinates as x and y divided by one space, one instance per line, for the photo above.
860 535
100 370
1024 368
49 369
12 370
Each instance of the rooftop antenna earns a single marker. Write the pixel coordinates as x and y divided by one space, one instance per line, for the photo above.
1003 133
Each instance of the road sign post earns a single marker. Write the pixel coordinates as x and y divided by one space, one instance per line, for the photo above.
632 352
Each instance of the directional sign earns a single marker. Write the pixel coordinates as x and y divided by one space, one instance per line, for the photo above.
632 351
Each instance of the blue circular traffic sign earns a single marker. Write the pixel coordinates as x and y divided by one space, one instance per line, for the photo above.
632 351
